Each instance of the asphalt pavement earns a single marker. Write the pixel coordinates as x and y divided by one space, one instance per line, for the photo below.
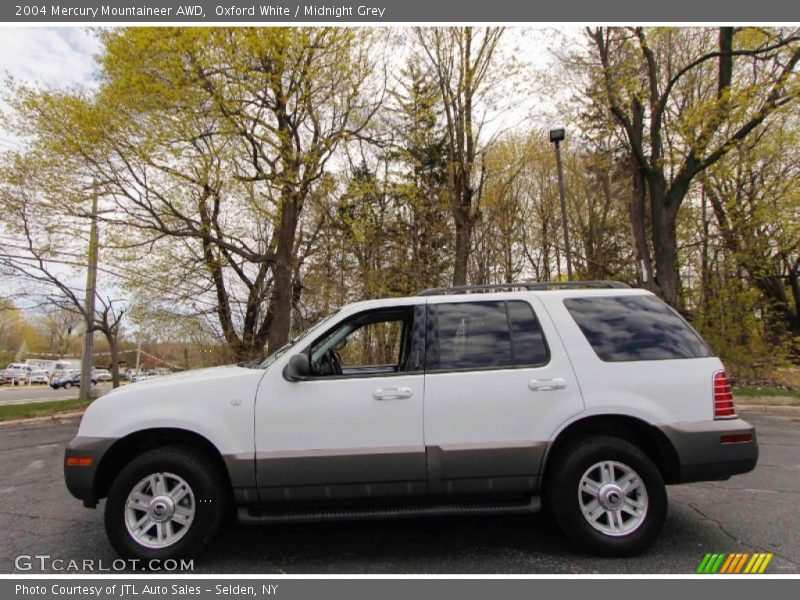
755 512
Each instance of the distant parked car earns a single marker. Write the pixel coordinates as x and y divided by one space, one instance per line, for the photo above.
68 381
16 373
39 376
102 375
142 376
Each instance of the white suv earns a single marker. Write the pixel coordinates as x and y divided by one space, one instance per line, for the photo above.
586 397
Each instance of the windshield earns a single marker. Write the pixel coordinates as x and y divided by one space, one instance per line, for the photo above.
282 350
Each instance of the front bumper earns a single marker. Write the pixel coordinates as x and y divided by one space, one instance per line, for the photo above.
80 479
703 453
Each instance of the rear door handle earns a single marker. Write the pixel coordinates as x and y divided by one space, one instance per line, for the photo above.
545 385
400 393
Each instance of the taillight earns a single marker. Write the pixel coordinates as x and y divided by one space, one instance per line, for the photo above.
723 397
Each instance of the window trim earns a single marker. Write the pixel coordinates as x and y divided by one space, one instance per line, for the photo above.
413 317
511 367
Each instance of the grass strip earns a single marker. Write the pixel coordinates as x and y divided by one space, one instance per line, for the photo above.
10 412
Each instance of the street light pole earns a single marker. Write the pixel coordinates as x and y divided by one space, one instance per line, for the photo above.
88 308
557 136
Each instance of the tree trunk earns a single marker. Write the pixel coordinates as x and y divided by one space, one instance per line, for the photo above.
113 348
772 287
464 224
280 304
463 241
794 285
636 212
705 269
665 243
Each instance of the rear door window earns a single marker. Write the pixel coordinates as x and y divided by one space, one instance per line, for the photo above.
631 328
483 335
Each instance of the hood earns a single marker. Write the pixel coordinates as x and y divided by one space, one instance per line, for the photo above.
206 401
197 376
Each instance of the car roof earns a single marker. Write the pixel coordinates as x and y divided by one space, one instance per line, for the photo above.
492 295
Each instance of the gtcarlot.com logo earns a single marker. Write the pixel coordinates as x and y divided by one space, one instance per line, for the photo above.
734 563
46 562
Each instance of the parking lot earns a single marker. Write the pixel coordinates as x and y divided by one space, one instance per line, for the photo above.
756 512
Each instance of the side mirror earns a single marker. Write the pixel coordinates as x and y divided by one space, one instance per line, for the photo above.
298 368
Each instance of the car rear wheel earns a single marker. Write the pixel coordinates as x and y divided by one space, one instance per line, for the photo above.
167 503
607 495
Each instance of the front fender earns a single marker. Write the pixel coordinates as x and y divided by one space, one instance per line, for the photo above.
220 410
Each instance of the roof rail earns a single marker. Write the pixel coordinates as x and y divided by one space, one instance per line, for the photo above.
525 285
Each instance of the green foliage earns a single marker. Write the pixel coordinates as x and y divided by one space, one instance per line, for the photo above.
730 319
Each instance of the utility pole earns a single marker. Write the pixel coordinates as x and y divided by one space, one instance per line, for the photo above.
138 354
557 136
88 306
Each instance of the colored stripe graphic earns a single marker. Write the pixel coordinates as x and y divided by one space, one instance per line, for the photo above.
740 564
764 564
731 563
727 564
715 563
755 561
734 563
701 568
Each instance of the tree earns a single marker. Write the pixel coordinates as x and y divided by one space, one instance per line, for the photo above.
60 327
684 100
755 200
418 156
43 245
12 328
463 60
210 142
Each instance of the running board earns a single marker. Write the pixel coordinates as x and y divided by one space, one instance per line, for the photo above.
257 514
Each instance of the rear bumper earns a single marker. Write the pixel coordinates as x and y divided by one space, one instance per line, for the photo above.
80 479
704 454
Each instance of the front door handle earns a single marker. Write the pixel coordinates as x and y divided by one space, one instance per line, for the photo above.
400 393
546 385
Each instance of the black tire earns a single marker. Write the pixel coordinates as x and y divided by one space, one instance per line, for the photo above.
564 473
67 385
208 485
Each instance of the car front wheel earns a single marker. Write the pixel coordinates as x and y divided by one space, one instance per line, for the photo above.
167 503
607 495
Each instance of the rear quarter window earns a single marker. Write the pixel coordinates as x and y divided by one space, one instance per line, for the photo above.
631 328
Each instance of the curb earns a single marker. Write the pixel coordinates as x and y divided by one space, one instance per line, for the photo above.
767 408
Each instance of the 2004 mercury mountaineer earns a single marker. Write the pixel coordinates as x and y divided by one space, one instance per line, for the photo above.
587 398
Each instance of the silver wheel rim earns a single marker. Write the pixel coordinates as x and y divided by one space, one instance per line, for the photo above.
613 498
159 510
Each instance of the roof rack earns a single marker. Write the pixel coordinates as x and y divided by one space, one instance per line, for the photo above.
525 285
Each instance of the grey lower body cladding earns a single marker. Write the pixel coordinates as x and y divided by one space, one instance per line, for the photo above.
399 471
80 477
446 470
713 450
